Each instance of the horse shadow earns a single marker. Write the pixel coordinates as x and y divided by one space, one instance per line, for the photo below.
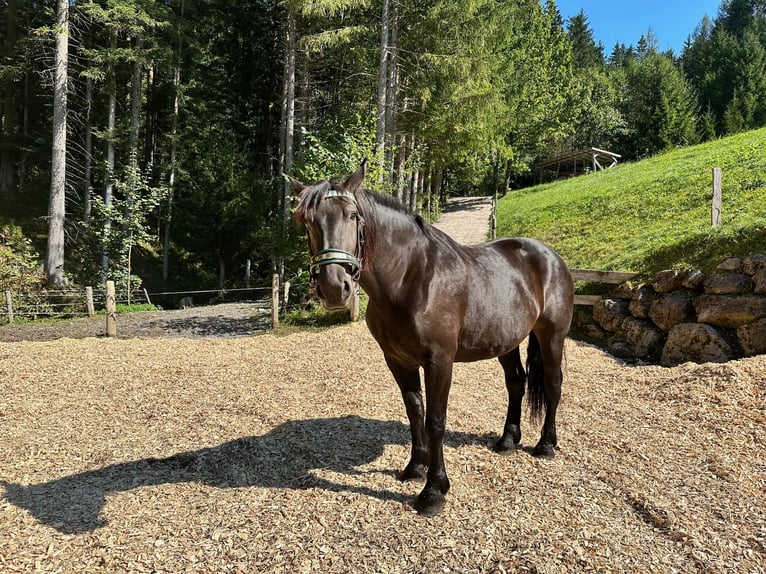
285 457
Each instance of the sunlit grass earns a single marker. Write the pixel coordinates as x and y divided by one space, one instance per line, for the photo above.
651 215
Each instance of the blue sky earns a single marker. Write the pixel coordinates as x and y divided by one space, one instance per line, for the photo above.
626 21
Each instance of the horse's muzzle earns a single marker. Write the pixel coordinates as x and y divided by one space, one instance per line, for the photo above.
334 286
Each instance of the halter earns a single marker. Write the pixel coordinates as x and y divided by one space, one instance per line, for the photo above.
332 255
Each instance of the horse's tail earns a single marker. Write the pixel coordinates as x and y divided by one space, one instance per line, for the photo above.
536 393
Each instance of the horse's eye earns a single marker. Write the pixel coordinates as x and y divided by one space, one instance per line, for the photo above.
353 216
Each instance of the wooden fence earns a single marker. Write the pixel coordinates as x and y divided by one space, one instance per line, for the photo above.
84 302
597 276
62 303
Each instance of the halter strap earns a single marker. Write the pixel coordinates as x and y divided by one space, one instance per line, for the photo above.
332 255
332 192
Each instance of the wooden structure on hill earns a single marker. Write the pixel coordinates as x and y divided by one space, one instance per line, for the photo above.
577 162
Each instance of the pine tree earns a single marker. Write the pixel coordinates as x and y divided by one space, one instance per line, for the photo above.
54 256
585 52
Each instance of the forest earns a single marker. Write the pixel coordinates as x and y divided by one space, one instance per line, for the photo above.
152 141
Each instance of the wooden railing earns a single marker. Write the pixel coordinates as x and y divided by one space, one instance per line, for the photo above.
596 276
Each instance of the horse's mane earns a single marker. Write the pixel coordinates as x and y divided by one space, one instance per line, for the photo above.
310 199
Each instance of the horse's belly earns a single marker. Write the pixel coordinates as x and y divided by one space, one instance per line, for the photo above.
492 337
478 351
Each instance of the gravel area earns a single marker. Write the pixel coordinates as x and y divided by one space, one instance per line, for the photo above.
217 321
278 453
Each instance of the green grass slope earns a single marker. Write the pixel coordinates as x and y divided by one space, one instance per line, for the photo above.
651 215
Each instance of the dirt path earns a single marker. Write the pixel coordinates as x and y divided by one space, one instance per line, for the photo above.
466 219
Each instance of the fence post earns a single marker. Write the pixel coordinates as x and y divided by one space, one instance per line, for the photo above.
274 301
9 304
89 301
715 212
353 307
287 294
146 295
111 310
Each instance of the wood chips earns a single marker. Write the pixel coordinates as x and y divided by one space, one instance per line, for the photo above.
277 453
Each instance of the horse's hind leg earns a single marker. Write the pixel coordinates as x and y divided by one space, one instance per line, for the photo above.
515 378
551 347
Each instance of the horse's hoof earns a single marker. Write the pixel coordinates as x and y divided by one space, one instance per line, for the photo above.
429 503
413 472
504 448
545 451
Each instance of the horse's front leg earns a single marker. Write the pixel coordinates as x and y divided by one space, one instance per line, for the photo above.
438 376
409 385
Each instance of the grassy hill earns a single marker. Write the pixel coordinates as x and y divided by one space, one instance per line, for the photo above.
653 214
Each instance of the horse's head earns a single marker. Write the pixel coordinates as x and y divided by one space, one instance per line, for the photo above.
335 227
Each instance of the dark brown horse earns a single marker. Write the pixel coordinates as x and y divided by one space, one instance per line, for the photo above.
432 302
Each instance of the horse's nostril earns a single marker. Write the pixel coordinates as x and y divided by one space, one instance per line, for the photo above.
346 289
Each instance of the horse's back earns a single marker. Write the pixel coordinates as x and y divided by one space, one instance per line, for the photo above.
544 270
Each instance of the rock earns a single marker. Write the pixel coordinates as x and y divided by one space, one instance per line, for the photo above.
672 309
759 282
643 339
592 333
694 280
732 264
754 263
609 313
730 311
698 343
667 281
623 291
642 299
620 349
752 338
728 284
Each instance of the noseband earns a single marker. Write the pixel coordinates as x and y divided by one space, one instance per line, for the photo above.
332 255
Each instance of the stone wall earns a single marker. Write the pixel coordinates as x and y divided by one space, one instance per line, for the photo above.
684 316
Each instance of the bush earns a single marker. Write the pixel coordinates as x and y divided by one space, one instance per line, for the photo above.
20 266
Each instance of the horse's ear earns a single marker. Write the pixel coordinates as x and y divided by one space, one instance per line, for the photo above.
297 186
356 179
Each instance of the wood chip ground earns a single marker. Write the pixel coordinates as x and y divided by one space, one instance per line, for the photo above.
278 453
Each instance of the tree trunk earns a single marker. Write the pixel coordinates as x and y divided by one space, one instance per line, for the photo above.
392 86
380 132
135 126
221 272
415 180
24 136
8 108
88 167
54 256
173 149
109 176
287 132
288 115
400 191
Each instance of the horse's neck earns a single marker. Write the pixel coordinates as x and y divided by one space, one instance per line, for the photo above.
399 243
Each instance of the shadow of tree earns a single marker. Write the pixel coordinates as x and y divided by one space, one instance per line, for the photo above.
465 204
283 458
213 326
